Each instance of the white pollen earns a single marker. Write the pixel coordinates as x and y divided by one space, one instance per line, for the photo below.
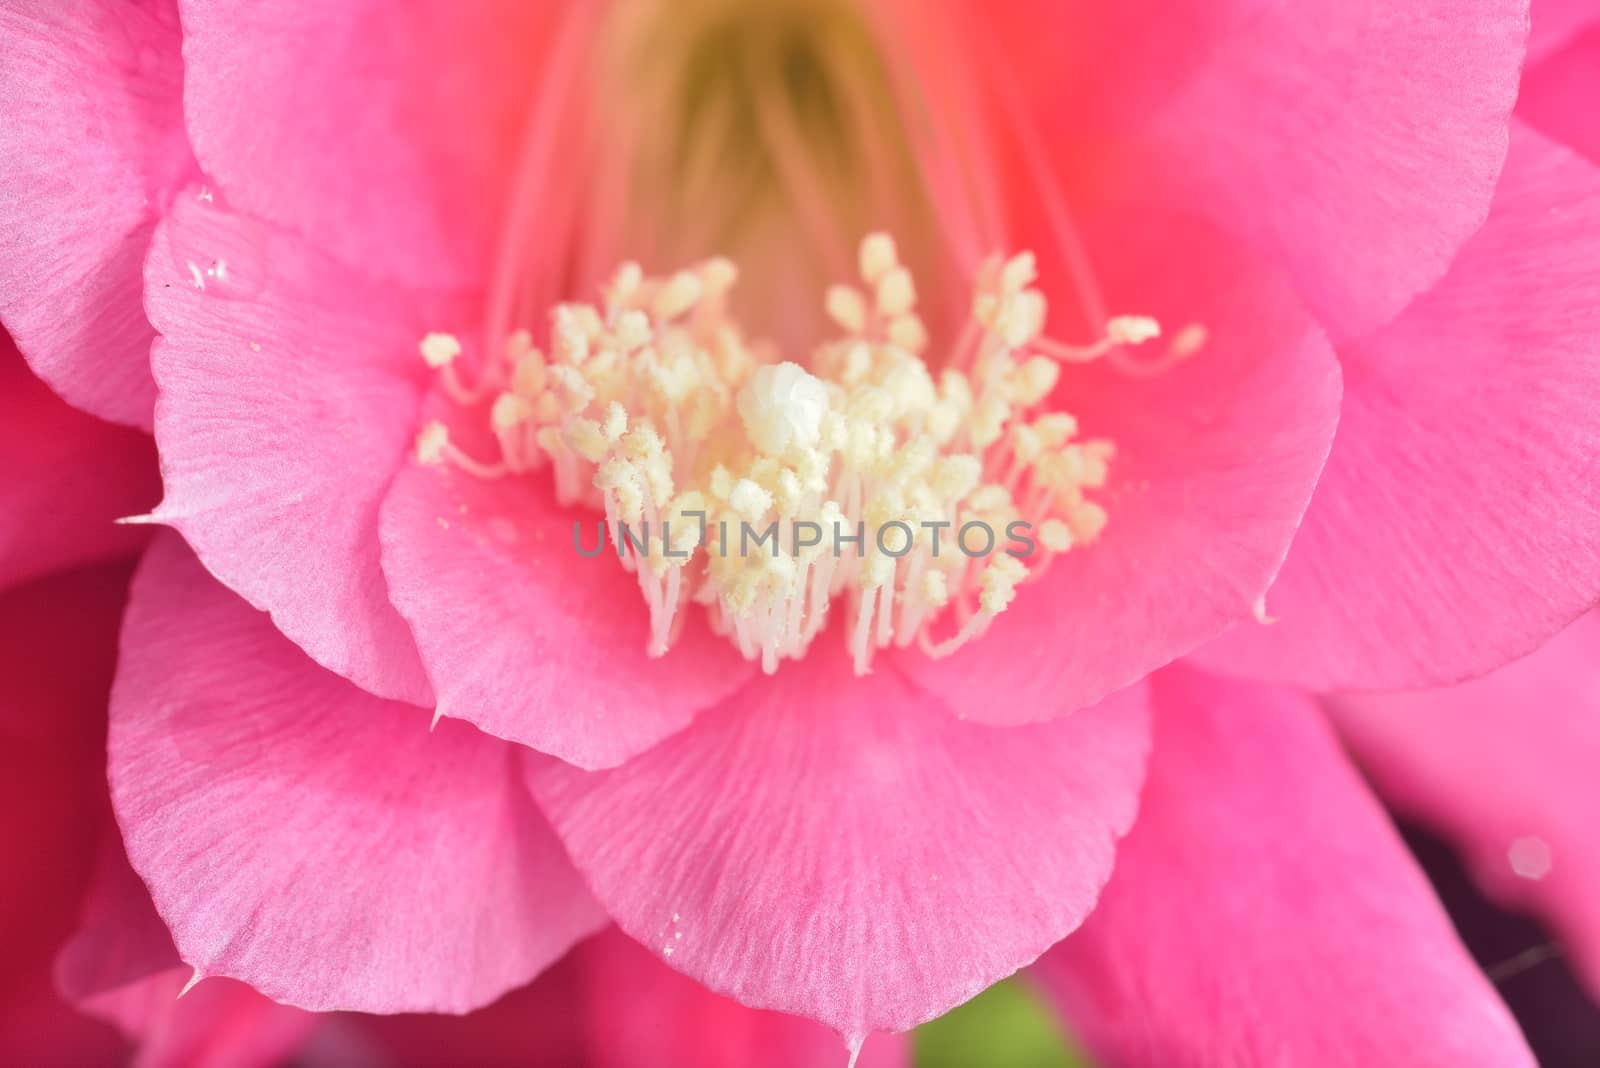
878 257
439 349
1132 329
431 443
783 405
651 408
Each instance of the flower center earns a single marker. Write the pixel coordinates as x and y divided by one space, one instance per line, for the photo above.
762 491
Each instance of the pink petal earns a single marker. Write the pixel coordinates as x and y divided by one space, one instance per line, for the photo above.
1505 765
1397 114
1555 23
219 1022
67 476
1356 140
525 638
120 940
1558 95
310 839
91 148
641 1014
1264 912
1216 459
386 132
290 390
1458 522
843 848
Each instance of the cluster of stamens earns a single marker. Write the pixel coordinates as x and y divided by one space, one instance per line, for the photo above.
766 491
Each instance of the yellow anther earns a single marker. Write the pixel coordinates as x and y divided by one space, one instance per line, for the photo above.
1055 535
1088 520
633 330
878 257
1035 379
908 333
651 405
616 422
587 440
1020 271
1132 329
750 499
439 350
680 293
847 307
431 442
509 411
1056 429
530 375
896 293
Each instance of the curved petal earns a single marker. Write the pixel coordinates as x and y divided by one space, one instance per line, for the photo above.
1505 766
249 782
91 149
639 1013
120 940
1555 23
1216 459
527 639
67 477
1396 114
842 848
290 390
220 1022
386 132
1458 522
1558 94
1264 912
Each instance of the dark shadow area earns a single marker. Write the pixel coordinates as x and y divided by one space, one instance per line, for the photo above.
1521 957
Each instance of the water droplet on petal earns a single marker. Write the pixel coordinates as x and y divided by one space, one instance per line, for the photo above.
216 251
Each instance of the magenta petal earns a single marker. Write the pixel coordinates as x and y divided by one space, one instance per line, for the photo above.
843 848
1505 765
1555 24
91 147
120 939
1559 94
220 1023
386 132
58 646
1216 460
1358 141
639 1013
120 966
529 640
1397 117
310 839
290 388
1458 522
1264 912
67 477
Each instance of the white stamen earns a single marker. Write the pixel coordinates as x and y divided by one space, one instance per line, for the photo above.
698 446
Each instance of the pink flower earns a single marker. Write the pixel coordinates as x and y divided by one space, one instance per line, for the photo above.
1380 299
80 927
